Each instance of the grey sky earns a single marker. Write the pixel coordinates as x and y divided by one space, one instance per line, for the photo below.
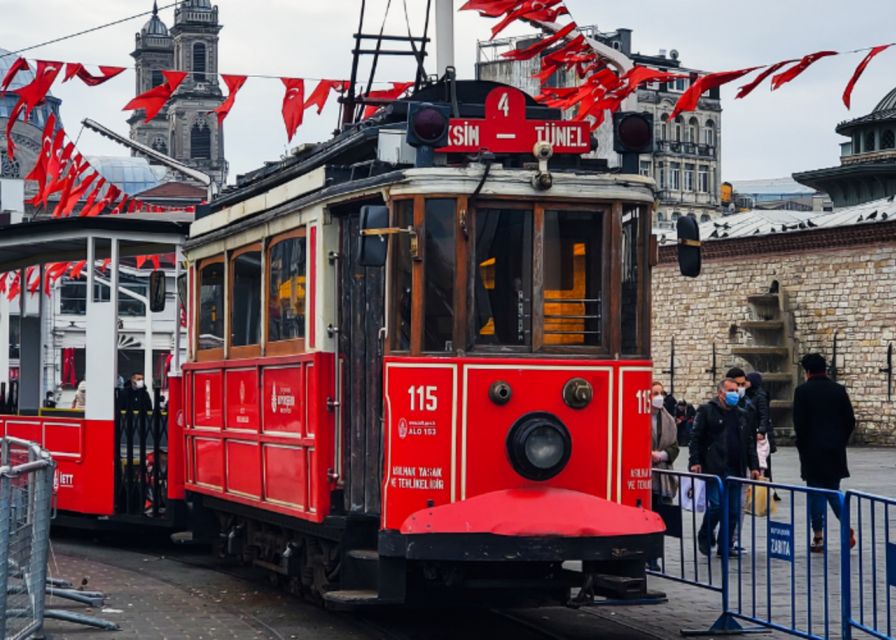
766 135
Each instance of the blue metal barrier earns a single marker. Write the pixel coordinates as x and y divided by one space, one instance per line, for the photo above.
875 561
776 573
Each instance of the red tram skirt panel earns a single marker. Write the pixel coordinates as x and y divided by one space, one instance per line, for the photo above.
84 452
258 432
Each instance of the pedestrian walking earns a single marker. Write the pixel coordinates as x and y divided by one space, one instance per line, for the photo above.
723 443
669 401
684 421
823 420
664 451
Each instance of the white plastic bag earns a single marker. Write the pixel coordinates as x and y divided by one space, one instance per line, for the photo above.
692 494
763 450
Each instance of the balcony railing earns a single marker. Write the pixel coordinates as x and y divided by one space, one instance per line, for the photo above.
686 148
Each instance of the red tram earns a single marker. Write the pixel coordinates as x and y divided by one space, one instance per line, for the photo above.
426 368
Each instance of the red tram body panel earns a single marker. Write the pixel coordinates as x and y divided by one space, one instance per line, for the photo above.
258 432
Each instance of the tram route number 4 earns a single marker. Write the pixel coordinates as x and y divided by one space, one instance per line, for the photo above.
780 540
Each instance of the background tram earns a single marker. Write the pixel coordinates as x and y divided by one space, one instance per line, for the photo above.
417 369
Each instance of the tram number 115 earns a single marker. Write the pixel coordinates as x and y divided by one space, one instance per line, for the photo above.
423 398
645 398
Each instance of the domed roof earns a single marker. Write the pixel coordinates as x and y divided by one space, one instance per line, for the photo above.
130 174
155 26
888 103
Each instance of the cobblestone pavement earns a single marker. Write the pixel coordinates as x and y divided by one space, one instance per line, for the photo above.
158 591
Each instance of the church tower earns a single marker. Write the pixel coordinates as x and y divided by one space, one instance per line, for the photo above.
153 53
194 135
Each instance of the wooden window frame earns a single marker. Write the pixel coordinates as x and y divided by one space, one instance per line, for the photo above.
288 346
249 350
394 300
216 353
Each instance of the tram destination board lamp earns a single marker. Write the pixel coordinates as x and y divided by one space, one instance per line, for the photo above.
632 136
427 130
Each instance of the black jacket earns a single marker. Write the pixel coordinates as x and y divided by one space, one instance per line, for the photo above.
709 445
823 420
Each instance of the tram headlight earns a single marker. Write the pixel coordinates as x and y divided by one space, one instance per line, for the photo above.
539 446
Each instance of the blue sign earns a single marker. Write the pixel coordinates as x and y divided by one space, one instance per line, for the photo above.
780 540
891 564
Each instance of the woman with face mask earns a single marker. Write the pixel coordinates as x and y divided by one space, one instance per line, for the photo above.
664 450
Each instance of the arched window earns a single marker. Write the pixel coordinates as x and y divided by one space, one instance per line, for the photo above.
692 215
200 141
665 126
870 144
709 133
159 145
199 62
705 218
693 128
888 139
660 217
679 121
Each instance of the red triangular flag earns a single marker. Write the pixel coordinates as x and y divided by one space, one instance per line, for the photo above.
155 262
786 76
38 173
234 84
522 13
747 89
141 260
88 205
293 104
153 100
34 92
490 8
691 97
388 95
77 269
19 65
14 287
73 69
321 93
530 52
847 94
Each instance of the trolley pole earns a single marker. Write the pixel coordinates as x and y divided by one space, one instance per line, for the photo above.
444 35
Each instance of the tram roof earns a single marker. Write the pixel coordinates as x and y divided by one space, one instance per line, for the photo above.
31 243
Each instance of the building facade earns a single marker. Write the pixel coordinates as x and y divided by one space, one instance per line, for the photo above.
867 168
184 129
686 162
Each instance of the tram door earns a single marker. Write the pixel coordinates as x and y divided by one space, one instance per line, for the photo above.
361 317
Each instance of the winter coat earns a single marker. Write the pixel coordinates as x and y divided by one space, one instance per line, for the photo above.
709 442
759 398
665 440
823 420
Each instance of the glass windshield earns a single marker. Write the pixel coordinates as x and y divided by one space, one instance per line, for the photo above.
402 273
439 253
572 278
503 278
631 277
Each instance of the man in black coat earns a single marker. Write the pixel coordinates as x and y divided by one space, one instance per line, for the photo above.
823 420
723 443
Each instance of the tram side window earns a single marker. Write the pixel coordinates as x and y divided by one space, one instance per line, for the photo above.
572 278
246 302
211 306
402 275
286 290
503 287
439 252
632 272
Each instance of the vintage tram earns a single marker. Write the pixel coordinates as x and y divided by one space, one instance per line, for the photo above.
419 359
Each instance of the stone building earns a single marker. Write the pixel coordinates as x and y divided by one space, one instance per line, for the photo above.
776 285
184 129
867 168
686 163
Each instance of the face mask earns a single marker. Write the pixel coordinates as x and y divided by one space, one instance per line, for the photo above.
732 398
138 384
741 392
658 402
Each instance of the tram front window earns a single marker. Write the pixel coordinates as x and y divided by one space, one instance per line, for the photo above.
503 279
572 278
211 306
632 273
439 251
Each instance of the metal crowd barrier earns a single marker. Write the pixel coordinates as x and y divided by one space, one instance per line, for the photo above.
26 490
767 574
869 608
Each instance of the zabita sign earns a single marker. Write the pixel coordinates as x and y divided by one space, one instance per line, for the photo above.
505 129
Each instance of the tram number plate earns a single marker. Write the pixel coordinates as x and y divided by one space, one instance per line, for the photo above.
780 540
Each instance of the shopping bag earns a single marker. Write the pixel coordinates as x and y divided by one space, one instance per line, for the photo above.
757 501
692 494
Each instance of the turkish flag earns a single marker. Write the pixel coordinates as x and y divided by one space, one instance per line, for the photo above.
19 65
75 194
38 173
153 100
786 76
321 93
73 69
528 11
847 94
747 89
77 269
53 273
234 84
91 199
530 52
15 286
57 172
293 104
691 98
492 8
389 95
33 93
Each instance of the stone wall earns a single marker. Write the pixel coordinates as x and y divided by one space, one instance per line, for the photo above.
836 279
